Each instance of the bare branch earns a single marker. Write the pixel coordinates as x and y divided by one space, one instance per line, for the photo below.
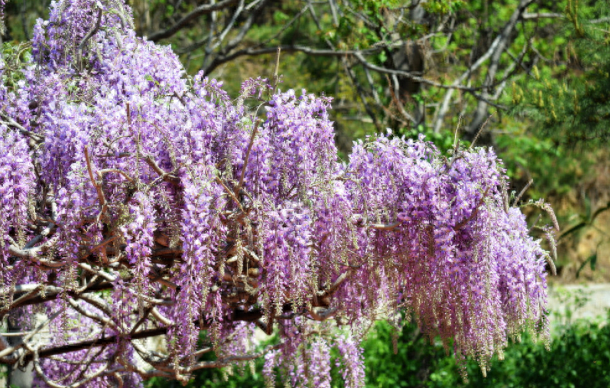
168 177
250 144
92 31
109 170
320 314
229 191
76 384
52 293
518 197
542 15
336 284
98 188
447 99
474 213
188 18
8 351
80 345
504 42
227 360
10 122
34 254
391 226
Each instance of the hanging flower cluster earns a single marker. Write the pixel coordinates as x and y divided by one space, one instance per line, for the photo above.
141 202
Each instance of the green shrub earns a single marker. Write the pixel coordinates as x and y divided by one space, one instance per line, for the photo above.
579 356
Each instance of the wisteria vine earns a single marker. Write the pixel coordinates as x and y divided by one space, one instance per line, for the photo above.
139 202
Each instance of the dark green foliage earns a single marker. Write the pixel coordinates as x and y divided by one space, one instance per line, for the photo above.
15 57
571 100
416 359
216 378
579 356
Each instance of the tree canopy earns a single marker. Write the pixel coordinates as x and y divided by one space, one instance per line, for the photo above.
138 202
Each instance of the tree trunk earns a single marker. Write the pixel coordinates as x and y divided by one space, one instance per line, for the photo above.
18 377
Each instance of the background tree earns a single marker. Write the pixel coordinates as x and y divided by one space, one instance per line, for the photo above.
573 109
139 202
419 65
394 56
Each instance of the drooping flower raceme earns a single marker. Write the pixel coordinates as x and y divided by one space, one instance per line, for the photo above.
145 203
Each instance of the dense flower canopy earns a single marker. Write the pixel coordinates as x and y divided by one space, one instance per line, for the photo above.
139 202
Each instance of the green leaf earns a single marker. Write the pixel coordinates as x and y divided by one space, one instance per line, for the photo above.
592 260
572 230
280 17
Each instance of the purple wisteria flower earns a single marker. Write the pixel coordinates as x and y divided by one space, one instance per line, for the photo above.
139 202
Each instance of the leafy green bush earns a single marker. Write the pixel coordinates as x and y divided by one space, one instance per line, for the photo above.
579 356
